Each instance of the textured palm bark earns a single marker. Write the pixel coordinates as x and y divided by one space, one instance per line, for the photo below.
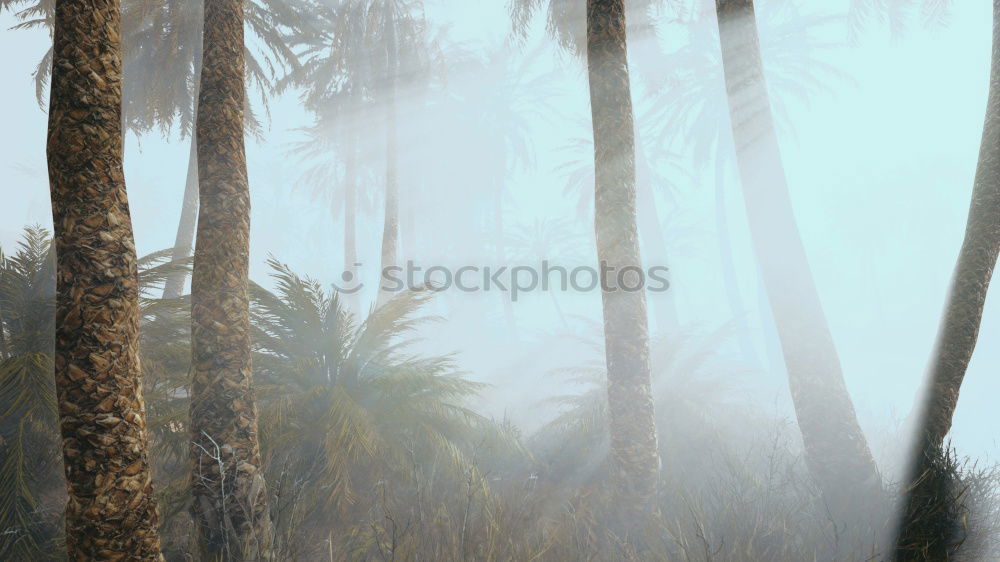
963 314
634 456
390 230
836 451
958 332
111 513
230 496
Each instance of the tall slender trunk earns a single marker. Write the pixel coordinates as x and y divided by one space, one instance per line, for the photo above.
350 227
390 231
230 496
958 331
184 241
835 447
111 513
634 455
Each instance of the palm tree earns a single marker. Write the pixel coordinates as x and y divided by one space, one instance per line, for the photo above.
337 75
650 179
230 499
835 446
959 328
30 484
29 474
565 22
164 45
687 388
690 109
111 512
635 458
331 153
630 404
162 42
345 404
355 58
397 28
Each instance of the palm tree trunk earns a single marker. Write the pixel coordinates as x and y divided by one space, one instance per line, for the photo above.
963 314
634 454
111 513
230 496
184 241
959 329
390 231
835 447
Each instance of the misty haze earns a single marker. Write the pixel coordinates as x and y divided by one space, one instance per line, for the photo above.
499 280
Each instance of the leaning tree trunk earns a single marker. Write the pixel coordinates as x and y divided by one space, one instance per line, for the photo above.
184 241
230 496
635 460
111 513
835 447
390 231
957 334
959 329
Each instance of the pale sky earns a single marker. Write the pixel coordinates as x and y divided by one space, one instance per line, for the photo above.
880 170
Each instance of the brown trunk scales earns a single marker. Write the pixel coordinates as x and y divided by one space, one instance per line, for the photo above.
111 513
230 495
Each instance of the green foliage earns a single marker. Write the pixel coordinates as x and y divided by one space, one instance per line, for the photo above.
29 462
31 486
374 452
566 20
687 390
161 43
347 51
690 112
348 402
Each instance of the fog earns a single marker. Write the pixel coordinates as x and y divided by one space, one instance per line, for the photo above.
879 122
